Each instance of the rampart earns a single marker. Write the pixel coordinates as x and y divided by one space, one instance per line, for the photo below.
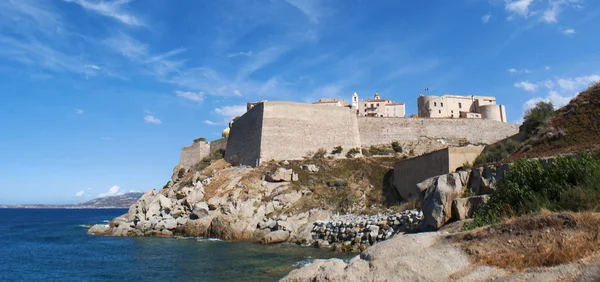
244 141
219 144
191 155
292 130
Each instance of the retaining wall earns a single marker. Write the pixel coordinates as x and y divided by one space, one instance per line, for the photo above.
244 139
191 155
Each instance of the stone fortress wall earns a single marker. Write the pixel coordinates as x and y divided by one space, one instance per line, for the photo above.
191 155
219 144
289 130
292 130
245 137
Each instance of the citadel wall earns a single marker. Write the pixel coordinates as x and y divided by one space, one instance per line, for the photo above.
191 155
428 134
219 144
290 130
245 137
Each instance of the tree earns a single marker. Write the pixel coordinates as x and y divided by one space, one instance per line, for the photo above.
337 150
199 139
537 116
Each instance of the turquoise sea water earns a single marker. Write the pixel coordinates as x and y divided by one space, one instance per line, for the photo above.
51 245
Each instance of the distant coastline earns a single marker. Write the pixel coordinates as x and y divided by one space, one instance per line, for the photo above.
123 201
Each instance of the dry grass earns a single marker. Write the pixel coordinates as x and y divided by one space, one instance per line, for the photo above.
545 239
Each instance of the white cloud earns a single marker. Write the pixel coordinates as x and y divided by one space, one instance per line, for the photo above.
527 86
231 111
94 67
107 138
547 67
568 31
113 191
310 8
245 54
518 7
549 15
572 84
151 119
209 122
89 188
554 97
110 9
192 96
79 111
486 18
79 194
518 71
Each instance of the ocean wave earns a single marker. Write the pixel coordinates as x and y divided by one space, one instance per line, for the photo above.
303 262
198 238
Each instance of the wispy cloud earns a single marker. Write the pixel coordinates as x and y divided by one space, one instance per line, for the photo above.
486 18
237 54
80 193
518 71
107 138
518 7
228 113
568 32
527 86
151 119
113 191
112 9
197 97
79 111
312 9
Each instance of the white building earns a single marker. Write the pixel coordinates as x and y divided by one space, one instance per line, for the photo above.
378 107
454 106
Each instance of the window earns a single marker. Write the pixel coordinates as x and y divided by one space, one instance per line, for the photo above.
365 110
377 104
459 105
452 111
435 104
441 104
440 111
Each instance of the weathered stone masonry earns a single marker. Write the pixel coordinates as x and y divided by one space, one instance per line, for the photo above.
289 130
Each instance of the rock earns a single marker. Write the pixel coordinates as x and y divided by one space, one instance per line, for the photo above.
280 174
337 183
310 167
464 207
206 181
178 172
170 224
276 237
436 201
200 210
99 229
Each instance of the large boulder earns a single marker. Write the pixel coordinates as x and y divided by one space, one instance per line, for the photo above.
200 210
436 200
281 174
276 237
99 229
465 207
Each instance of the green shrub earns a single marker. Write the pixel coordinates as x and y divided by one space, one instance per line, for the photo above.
380 150
396 147
467 165
538 116
352 153
320 154
365 152
235 160
199 139
218 154
569 183
497 152
337 150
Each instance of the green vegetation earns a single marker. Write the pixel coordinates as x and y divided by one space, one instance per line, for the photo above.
538 116
396 147
352 153
497 152
380 150
235 160
337 150
199 139
569 183
320 154
467 165
218 154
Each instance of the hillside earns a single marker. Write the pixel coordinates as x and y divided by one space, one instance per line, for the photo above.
118 201
574 128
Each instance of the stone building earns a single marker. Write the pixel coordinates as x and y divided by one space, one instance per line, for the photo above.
453 106
378 107
331 102
409 172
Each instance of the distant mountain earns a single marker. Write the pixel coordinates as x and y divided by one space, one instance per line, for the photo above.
119 201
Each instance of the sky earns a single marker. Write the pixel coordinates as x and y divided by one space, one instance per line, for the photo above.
98 97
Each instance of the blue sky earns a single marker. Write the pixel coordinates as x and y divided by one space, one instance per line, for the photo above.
98 97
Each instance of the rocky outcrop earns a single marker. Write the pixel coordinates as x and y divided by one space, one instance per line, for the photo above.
281 174
357 232
484 179
464 208
437 196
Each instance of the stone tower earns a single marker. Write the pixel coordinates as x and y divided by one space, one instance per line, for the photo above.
355 101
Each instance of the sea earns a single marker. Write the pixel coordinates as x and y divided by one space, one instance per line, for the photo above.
52 245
